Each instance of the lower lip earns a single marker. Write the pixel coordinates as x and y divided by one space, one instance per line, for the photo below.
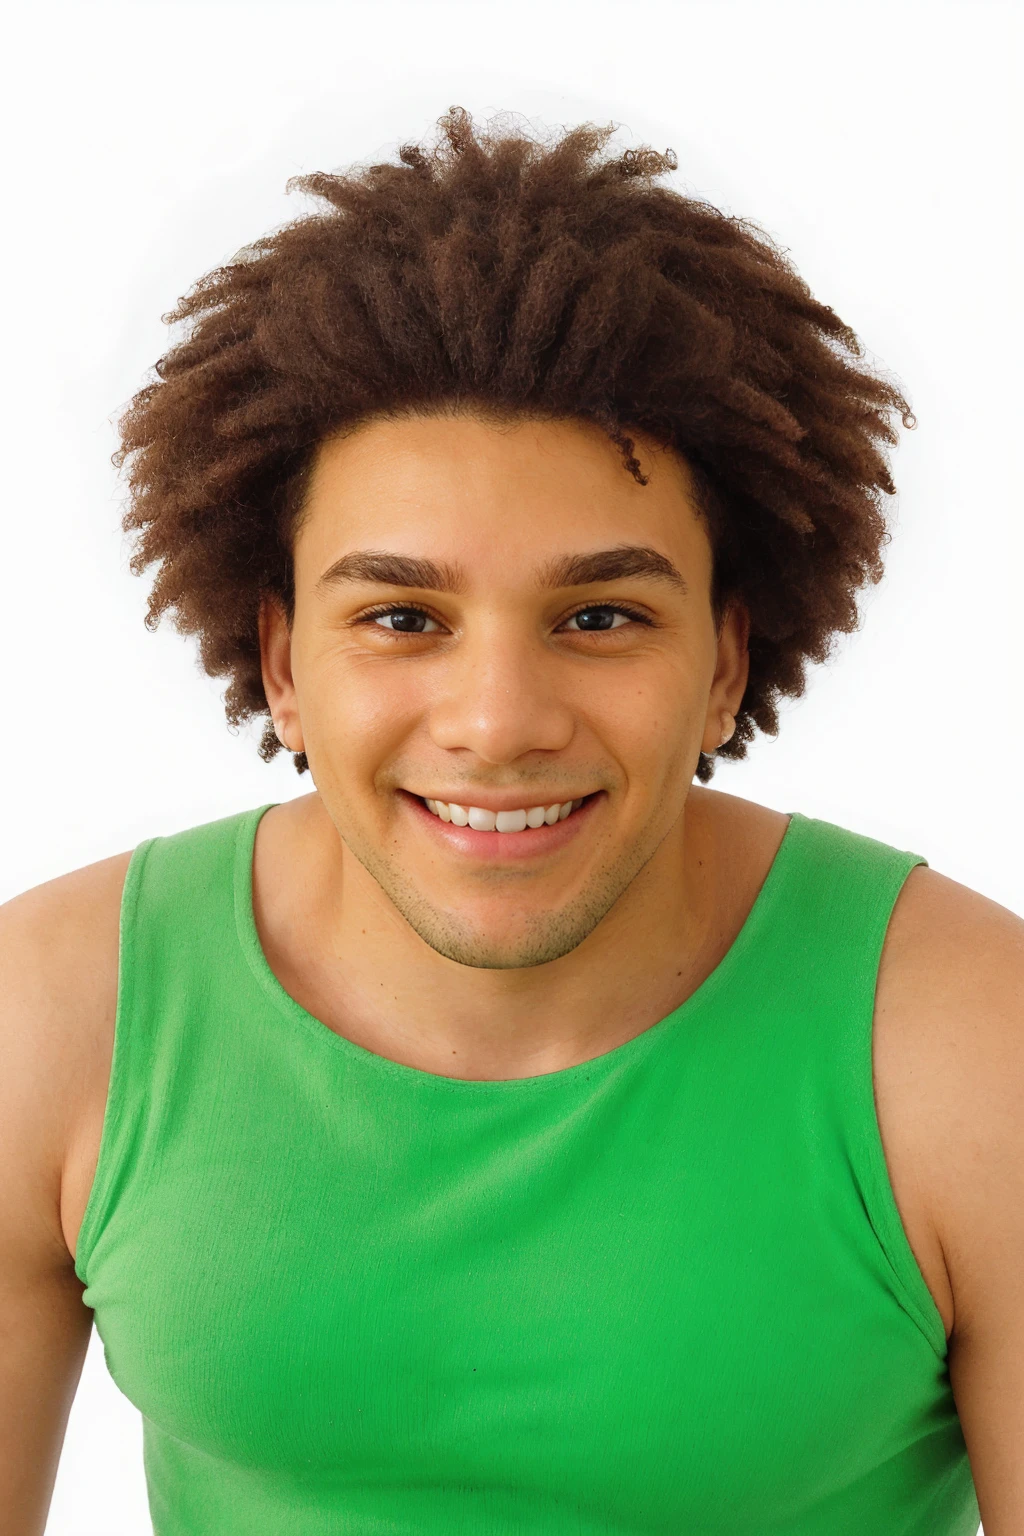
534 842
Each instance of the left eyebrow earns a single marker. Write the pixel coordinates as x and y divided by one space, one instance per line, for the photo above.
611 565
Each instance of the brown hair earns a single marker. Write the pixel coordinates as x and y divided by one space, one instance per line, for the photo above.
545 278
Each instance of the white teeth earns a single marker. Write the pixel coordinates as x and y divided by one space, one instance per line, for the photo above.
501 821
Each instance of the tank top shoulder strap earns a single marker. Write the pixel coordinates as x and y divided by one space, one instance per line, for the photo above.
178 955
841 889
833 899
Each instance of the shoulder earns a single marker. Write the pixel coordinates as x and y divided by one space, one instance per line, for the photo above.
950 1015
58 985
55 936
952 973
938 920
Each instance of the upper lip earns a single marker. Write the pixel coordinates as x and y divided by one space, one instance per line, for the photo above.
492 801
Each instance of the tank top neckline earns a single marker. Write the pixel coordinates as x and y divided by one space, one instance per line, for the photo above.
620 1055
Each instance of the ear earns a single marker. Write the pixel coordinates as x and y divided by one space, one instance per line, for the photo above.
276 666
732 668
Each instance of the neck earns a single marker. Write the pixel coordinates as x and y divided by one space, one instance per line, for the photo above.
363 971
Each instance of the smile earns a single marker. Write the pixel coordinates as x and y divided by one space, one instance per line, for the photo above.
482 820
516 835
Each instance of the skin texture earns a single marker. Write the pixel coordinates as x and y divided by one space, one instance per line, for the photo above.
485 965
502 702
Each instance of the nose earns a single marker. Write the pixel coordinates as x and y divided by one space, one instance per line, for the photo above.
500 700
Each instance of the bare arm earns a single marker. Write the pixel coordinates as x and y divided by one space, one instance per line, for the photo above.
57 991
982 1225
959 986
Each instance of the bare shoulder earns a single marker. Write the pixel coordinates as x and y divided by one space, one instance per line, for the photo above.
58 984
950 1012
952 972
949 1036
938 919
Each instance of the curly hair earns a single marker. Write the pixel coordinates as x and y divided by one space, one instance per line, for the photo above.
521 275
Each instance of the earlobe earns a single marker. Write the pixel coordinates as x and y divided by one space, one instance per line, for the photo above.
720 734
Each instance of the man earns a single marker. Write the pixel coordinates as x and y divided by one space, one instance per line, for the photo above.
509 1135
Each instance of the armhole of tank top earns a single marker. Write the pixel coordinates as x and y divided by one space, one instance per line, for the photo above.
110 1151
883 1211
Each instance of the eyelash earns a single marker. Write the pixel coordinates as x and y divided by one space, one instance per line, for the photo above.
633 614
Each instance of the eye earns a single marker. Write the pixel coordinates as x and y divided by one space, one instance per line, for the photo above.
604 616
402 621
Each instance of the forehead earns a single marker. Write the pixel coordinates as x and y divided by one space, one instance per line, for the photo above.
505 494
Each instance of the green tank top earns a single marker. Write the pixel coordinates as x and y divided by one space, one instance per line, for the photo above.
664 1291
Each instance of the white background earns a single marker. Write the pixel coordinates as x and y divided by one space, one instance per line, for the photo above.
144 143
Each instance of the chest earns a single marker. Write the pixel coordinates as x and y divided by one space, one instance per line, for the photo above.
896 1071
633 1300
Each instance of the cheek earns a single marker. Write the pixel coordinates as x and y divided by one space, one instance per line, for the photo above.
363 705
653 714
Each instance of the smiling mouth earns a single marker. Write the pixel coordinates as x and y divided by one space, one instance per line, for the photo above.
482 820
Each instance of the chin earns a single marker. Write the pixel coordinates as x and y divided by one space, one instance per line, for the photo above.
533 939
482 951
492 934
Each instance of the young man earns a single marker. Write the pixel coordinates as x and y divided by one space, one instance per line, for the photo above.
509 1135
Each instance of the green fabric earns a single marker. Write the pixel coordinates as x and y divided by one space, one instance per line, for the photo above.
667 1290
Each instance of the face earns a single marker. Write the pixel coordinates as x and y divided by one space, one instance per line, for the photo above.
492 621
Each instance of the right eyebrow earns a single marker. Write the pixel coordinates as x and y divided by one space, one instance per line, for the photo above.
393 571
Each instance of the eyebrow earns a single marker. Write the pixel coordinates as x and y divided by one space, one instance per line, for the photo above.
377 565
393 570
611 565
